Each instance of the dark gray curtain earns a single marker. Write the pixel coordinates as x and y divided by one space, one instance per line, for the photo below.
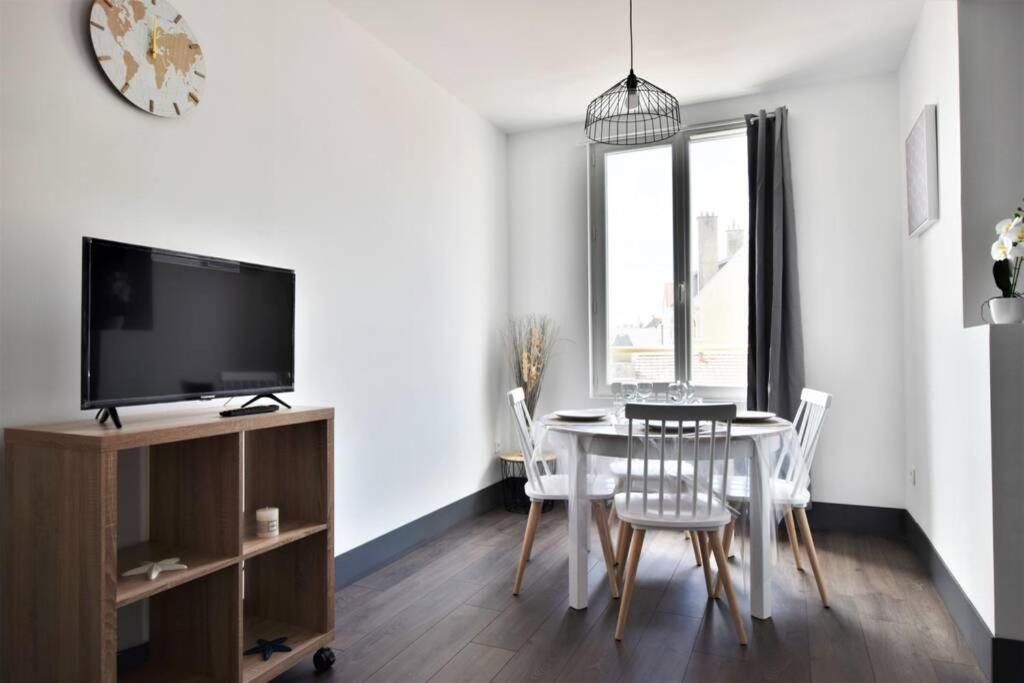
775 361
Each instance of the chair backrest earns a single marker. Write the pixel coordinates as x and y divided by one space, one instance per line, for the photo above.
810 417
709 424
524 429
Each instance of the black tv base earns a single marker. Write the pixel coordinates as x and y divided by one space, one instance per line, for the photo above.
272 397
109 413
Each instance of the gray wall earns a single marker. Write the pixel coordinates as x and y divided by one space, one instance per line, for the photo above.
992 151
992 136
1007 353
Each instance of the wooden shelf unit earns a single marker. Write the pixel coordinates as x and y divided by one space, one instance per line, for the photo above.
61 575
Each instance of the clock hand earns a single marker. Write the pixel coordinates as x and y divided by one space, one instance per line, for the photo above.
154 33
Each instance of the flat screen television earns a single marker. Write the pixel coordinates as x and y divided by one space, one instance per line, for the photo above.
161 326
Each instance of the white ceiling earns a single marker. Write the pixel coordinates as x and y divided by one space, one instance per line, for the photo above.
532 63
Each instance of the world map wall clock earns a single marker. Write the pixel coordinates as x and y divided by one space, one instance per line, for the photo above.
149 53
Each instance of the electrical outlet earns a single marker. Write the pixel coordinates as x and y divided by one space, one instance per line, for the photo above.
913 476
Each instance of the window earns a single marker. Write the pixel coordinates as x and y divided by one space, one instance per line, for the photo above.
669 261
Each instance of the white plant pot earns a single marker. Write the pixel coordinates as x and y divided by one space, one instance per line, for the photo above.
1006 310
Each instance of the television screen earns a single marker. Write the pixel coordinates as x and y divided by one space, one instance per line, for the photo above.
160 326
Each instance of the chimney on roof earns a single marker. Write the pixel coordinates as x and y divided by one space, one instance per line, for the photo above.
707 242
734 239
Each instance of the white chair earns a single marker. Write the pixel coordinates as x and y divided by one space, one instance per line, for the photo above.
665 503
618 467
790 480
542 485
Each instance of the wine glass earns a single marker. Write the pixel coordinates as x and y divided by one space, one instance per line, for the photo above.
676 393
618 399
629 390
644 390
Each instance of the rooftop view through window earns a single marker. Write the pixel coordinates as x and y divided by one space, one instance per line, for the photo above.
640 275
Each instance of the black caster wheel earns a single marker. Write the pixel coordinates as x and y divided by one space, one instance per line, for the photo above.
323 659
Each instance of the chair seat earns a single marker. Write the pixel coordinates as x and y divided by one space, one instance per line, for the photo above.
556 487
782 492
651 518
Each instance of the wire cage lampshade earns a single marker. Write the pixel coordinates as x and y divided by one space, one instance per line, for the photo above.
633 111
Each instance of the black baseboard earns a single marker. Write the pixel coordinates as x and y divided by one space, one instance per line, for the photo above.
353 565
861 519
972 627
1007 660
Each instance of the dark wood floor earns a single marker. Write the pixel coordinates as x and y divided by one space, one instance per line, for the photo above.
445 612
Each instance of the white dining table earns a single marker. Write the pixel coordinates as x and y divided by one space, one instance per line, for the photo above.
761 443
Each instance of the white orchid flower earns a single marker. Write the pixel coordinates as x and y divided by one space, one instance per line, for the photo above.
1016 251
1005 226
1001 249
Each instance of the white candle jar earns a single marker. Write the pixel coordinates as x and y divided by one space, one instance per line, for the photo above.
267 522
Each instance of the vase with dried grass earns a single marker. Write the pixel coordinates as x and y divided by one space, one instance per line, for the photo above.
531 340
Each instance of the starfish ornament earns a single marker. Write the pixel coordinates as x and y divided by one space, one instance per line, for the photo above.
153 569
267 648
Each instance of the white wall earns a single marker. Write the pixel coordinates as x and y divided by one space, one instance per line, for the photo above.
845 151
547 180
948 439
315 148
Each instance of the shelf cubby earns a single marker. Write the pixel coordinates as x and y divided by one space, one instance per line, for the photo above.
131 589
283 596
285 468
193 503
194 494
194 628
290 531
304 642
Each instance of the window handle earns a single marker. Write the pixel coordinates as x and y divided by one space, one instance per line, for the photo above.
682 292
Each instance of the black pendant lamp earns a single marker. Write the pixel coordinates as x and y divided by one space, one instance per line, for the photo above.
633 111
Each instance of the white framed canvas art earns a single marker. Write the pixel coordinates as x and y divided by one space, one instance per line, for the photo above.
922 173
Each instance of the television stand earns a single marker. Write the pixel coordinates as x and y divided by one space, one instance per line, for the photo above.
62 574
109 413
272 397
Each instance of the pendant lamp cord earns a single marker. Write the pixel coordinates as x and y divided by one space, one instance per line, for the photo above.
631 35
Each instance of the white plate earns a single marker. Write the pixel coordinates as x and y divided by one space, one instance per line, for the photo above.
588 415
754 416
670 427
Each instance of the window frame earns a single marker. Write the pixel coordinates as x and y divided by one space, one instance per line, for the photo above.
597 258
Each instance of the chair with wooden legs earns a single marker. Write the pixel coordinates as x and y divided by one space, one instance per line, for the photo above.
790 480
619 469
625 536
664 503
543 485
